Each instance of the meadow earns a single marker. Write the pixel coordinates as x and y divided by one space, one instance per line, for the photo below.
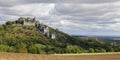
86 56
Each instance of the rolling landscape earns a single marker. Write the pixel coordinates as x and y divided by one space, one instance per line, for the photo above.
35 40
27 35
59 30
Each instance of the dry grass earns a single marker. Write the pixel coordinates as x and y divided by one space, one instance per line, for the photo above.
23 56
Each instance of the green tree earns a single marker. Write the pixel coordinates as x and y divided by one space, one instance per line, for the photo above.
91 50
110 49
40 48
37 49
4 48
97 50
9 23
11 49
1 27
73 49
102 50
21 47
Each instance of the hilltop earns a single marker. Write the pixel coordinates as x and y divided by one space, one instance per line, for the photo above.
28 35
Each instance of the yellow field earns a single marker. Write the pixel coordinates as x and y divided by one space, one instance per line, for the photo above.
92 56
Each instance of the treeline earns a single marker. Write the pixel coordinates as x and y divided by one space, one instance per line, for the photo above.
27 39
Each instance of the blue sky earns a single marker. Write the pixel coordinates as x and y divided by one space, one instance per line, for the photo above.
78 17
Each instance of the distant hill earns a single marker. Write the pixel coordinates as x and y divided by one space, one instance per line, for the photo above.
28 35
107 39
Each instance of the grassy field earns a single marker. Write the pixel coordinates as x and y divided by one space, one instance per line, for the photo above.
24 56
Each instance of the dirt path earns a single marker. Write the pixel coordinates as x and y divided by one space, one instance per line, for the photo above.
22 56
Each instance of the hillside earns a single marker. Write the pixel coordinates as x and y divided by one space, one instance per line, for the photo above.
27 35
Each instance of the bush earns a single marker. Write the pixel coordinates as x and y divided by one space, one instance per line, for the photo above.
91 50
9 23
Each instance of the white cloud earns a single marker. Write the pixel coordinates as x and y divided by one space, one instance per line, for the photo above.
87 17
20 2
94 18
28 10
33 9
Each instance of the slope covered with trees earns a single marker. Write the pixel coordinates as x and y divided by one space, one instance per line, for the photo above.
27 39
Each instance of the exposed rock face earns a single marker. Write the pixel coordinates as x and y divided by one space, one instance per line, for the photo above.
46 31
53 36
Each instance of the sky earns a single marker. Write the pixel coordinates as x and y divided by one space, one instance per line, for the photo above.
75 17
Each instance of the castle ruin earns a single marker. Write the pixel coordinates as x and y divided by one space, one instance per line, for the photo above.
40 26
